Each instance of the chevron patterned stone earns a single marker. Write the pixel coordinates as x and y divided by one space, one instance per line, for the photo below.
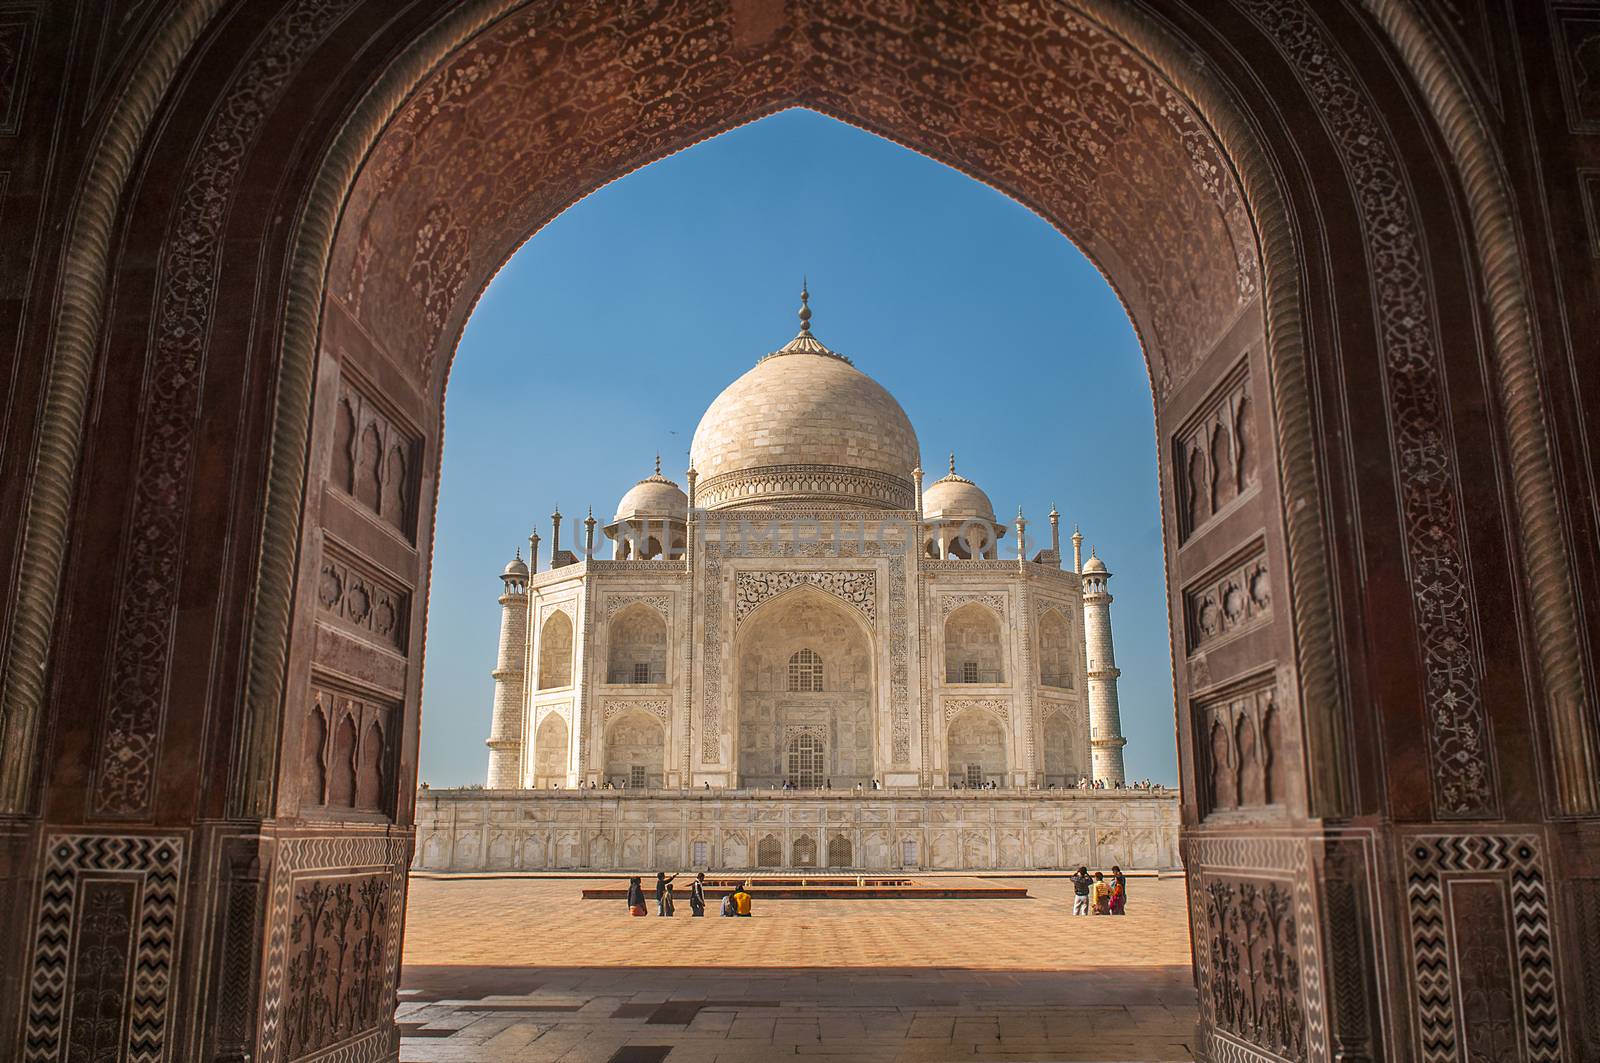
153 863
1431 861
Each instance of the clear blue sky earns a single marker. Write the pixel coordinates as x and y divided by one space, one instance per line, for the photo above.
604 339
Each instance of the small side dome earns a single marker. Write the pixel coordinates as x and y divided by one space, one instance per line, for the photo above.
516 568
956 496
654 497
1095 566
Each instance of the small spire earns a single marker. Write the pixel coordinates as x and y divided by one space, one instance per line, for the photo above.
952 463
519 553
1053 514
658 463
805 306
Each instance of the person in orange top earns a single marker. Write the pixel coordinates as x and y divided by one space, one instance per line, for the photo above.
1100 895
741 901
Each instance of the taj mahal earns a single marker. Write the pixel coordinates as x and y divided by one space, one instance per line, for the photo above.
806 621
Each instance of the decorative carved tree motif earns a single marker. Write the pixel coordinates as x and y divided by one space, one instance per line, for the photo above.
335 972
1254 965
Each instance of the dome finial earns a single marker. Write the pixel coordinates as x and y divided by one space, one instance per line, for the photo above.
805 306
658 463
952 463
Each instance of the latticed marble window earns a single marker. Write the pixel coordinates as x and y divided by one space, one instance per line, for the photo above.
805 851
839 851
641 672
636 775
805 671
975 776
969 672
769 852
806 761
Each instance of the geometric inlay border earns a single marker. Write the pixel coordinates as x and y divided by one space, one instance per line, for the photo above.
153 865
1431 861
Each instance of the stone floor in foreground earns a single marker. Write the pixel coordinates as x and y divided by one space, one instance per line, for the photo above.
522 969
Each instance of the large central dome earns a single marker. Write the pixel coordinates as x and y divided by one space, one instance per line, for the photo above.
805 429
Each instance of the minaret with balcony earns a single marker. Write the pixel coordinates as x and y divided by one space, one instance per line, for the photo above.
1105 715
505 731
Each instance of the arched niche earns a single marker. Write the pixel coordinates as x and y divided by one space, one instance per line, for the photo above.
550 753
636 750
636 646
804 665
555 651
976 749
974 646
1065 751
1057 651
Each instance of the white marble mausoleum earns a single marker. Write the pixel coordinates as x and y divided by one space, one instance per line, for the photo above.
807 616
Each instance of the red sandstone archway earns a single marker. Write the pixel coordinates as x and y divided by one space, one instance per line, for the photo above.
1311 243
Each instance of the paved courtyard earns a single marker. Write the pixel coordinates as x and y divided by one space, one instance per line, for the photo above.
523 969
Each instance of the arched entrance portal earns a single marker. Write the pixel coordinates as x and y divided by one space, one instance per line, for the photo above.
1299 205
806 694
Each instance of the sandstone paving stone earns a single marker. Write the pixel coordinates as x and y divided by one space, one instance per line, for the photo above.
733 1000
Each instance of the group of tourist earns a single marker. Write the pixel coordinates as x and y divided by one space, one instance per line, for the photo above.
734 904
1086 783
1094 895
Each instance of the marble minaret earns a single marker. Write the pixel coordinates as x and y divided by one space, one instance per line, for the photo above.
1105 716
505 731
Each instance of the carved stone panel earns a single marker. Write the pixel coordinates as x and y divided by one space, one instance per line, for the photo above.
1233 598
1252 945
1579 42
376 460
348 746
1240 748
854 587
1215 454
335 969
333 950
356 597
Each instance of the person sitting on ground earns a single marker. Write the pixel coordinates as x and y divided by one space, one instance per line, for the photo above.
1100 895
1119 891
1080 891
741 900
697 894
635 897
728 907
